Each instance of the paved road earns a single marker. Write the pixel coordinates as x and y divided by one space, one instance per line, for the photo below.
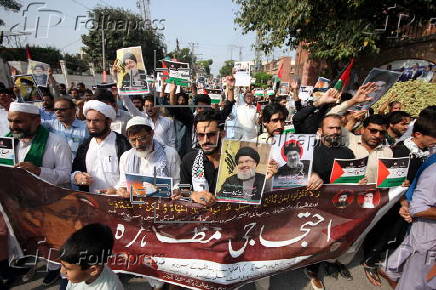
291 280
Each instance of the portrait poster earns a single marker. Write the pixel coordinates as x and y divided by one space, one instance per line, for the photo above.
384 80
27 88
242 172
131 75
348 171
305 93
142 185
39 71
7 153
294 155
63 66
241 72
179 73
392 171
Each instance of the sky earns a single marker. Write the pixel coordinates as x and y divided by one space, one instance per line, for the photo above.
208 23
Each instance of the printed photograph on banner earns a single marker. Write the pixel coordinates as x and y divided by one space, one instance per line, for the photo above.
142 186
369 199
392 171
343 199
179 73
384 80
294 155
131 75
242 172
349 171
27 88
39 70
7 153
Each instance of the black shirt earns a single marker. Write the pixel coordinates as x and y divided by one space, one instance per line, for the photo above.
324 156
400 150
210 171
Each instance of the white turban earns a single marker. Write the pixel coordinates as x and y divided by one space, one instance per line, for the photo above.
24 107
138 121
101 107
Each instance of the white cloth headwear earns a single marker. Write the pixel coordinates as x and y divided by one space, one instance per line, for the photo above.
101 107
138 121
23 107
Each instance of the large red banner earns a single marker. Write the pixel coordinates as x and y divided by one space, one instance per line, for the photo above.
217 247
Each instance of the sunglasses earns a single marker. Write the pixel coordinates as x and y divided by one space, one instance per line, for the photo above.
374 131
209 135
61 109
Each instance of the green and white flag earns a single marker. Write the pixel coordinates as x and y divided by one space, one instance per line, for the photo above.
7 153
178 72
392 171
348 170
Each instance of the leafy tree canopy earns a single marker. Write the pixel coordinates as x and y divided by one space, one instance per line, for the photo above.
226 69
336 29
122 28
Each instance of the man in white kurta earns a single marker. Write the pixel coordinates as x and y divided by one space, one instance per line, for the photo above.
246 118
95 168
151 155
24 123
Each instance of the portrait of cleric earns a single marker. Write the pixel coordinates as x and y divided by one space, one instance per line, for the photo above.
369 199
294 167
134 76
343 199
246 183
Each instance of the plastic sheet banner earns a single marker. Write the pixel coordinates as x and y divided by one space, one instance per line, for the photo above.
219 247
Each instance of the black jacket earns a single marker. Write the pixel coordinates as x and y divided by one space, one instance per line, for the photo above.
79 163
235 185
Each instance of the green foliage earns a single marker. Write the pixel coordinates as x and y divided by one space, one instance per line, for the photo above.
226 69
206 65
336 29
413 95
9 5
49 55
262 79
183 55
122 28
75 64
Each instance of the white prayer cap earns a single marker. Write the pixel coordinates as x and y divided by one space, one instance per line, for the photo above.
101 107
138 121
24 107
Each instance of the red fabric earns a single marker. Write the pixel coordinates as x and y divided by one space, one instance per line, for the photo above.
280 72
28 54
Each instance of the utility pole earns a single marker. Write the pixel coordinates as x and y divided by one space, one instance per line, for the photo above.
192 46
257 60
103 54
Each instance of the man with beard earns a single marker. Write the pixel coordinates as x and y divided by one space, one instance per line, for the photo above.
330 148
39 75
247 183
370 144
398 123
273 119
95 168
246 117
163 127
343 199
39 152
47 110
147 157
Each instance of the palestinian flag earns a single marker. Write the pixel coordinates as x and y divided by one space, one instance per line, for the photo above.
214 95
345 77
178 72
348 170
392 172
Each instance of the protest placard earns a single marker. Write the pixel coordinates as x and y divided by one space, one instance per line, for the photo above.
141 185
392 171
7 153
348 170
39 71
131 73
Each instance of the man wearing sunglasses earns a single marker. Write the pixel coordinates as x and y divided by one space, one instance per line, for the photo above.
370 144
66 125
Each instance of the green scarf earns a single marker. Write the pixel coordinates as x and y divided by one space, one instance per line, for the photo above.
37 148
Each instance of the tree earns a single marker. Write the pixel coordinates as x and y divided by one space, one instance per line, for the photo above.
9 5
262 79
331 30
226 69
183 55
206 65
122 28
